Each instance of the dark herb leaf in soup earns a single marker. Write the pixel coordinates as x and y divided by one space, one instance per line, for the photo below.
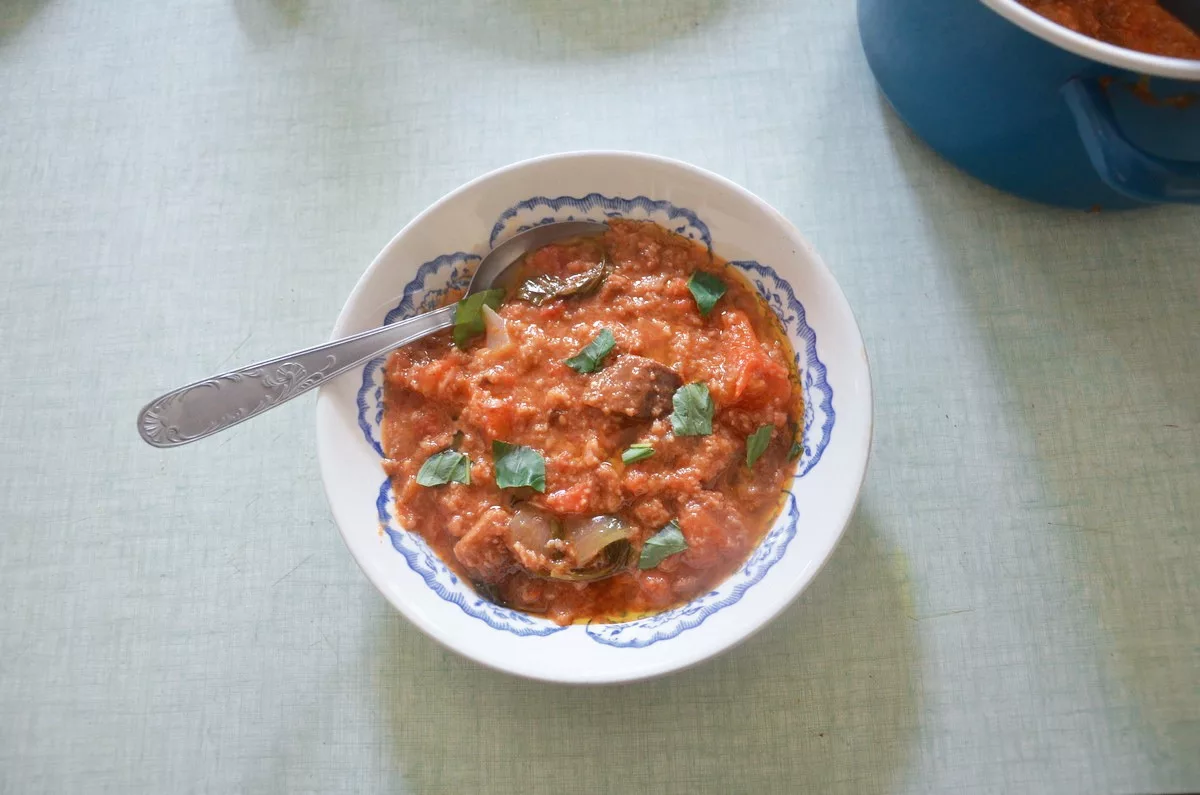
517 466
796 449
707 290
468 314
588 360
693 412
448 466
757 442
662 545
540 289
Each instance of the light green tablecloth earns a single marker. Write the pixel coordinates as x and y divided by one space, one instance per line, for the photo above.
187 185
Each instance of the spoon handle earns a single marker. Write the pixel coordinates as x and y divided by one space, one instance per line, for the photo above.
222 401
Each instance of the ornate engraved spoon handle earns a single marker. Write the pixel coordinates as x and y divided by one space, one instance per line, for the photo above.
214 404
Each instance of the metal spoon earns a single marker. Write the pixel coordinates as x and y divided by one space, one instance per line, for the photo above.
222 401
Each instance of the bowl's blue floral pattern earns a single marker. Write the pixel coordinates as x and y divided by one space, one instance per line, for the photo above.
452 271
645 631
445 583
423 294
541 210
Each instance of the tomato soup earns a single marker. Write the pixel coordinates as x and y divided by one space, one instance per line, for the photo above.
609 437
1141 25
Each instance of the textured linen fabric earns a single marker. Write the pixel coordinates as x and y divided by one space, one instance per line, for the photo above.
188 185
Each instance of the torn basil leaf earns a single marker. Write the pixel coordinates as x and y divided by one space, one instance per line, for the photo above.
796 449
448 466
693 412
637 452
588 360
468 314
518 466
756 443
707 290
662 545
540 289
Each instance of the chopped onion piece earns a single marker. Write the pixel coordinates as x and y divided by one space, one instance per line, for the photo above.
496 328
589 536
531 528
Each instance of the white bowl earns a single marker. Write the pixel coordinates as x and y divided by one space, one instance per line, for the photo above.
439 249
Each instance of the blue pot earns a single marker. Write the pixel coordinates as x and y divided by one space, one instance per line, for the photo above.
1035 109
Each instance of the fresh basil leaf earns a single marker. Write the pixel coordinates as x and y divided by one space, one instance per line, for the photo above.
637 452
662 545
448 466
794 432
756 443
707 290
540 289
518 465
693 412
468 314
588 360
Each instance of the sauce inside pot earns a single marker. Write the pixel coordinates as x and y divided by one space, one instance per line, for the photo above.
1141 25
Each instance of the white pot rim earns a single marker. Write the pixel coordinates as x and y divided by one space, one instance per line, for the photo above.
1087 47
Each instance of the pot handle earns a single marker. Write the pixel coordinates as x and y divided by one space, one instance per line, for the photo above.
1123 166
